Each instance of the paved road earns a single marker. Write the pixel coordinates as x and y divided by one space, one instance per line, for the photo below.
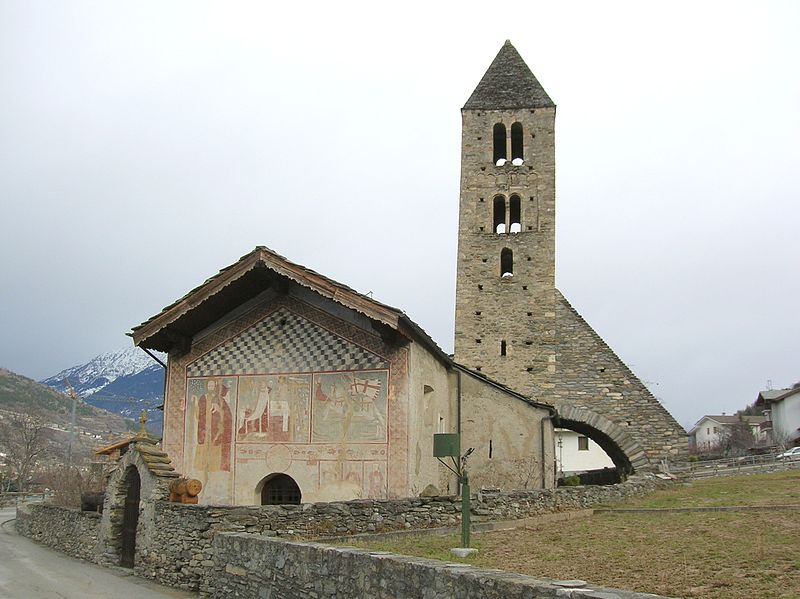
31 571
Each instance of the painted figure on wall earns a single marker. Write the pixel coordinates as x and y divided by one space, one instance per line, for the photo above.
350 407
274 409
375 479
213 423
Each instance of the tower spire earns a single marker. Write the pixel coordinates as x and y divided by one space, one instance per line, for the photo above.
505 285
508 84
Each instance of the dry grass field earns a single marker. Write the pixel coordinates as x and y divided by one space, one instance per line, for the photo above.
747 554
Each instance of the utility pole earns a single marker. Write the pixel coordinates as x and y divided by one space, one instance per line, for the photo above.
74 397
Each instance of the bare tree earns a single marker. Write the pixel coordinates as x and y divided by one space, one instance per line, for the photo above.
737 438
24 441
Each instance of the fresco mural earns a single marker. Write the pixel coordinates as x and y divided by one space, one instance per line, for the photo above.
210 421
274 409
328 430
349 407
374 480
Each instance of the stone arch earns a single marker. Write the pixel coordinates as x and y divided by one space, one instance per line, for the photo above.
154 478
626 453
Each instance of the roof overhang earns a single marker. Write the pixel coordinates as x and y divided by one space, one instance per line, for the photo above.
765 398
259 271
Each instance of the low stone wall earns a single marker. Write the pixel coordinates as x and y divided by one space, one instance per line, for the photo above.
259 567
174 541
178 548
69 530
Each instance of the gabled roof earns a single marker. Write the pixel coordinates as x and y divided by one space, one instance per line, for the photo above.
157 462
774 395
258 271
252 274
507 84
727 420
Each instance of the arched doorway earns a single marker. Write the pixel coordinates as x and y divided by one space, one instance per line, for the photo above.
130 517
279 489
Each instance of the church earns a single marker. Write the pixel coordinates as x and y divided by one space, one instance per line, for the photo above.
284 386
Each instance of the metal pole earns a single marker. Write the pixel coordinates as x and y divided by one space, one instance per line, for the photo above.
465 515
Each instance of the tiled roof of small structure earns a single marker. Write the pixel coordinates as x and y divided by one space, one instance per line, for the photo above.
262 256
158 462
508 84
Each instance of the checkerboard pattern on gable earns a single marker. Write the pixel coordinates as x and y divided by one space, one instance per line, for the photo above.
284 342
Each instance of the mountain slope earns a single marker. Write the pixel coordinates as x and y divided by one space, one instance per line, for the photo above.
102 370
125 382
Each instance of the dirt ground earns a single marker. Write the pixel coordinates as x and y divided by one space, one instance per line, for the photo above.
746 554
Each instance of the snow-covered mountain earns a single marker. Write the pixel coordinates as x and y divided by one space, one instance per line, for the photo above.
125 382
103 370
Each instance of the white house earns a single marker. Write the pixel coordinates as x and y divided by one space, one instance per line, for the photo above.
711 430
784 408
576 453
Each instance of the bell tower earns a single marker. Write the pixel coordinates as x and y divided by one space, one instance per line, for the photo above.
505 285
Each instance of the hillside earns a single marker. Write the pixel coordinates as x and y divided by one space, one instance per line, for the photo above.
20 394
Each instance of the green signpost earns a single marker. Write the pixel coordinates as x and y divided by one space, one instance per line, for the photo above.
448 445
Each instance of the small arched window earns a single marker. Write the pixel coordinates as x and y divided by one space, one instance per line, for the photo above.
499 136
499 215
506 263
515 222
516 143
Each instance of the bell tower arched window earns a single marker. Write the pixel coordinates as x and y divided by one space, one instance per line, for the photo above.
499 212
515 221
506 263
499 137
516 143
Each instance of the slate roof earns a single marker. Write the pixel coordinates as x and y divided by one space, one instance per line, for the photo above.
774 395
726 419
508 84
246 278
157 462
260 269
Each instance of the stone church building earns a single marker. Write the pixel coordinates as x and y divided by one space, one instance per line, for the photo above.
285 386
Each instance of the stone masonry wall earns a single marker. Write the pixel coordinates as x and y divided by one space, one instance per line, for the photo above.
518 310
589 375
518 329
178 548
69 530
248 566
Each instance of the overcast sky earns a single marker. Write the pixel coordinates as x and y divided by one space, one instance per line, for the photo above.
146 145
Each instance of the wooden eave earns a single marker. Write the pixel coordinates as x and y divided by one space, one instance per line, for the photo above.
109 449
252 274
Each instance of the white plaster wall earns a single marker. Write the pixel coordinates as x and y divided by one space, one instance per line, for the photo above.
786 419
571 460
430 411
705 437
512 429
